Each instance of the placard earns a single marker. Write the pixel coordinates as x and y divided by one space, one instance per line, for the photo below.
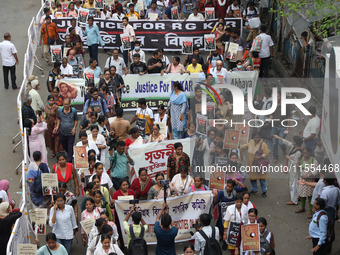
254 22
209 13
152 16
231 139
56 54
232 50
126 198
174 13
211 110
38 217
140 6
66 49
201 124
92 12
83 16
187 46
209 42
250 234
244 133
99 4
233 232
89 74
221 161
58 15
224 207
217 180
80 157
141 125
237 13
26 249
64 7
49 184
87 224
164 128
125 39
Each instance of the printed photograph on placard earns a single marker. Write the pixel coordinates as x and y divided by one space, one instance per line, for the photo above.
232 50
125 39
58 15
141 125
187 46
209 42
201 124
56 54
209 13
217 179
89 75
250 236
64 7
38 218
83 16
211 110
244 133
174 13
49 184
66 49
67 88
99 4
231 139
80 157
93 12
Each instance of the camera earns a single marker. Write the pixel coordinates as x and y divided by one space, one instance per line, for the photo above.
134 202
165 183
112 142
196 225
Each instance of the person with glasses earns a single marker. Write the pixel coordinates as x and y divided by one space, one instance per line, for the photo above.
157 190
156 136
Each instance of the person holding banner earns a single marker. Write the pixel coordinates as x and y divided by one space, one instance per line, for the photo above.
63 222
93 38
176 66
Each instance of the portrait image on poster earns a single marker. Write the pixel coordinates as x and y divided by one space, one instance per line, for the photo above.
83 16
201 124
209 13
99 4
209 42
187 46
56 54
125 39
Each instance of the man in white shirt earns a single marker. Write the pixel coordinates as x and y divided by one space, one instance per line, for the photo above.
195 15
202 77
116 61
77 29
221 73
66 69
208 230
9 57
311 131
128 30
137 50
118 15
37 104
266 52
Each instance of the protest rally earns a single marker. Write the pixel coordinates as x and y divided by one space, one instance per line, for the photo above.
167 127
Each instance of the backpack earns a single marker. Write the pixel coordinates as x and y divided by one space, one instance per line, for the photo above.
330 227
264 244
212 246
137 245
37 184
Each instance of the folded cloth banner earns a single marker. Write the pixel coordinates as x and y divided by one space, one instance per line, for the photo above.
184 211
165 34
154 156
244 80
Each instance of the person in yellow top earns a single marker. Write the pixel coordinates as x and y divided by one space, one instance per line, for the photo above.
194 67
136 227
144 112
132 12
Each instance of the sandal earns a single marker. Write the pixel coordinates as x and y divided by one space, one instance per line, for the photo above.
309 216
300 211
291 203
53 155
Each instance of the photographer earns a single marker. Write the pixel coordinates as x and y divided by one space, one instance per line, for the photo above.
137 229
157 190
204 226
165 232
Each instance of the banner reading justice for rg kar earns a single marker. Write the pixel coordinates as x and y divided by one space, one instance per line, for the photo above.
165 34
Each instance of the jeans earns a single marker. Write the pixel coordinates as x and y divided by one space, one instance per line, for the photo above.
176 134
66 243
6 70
263 183
280 131
264 67
67 142
126 54
311 144
93 51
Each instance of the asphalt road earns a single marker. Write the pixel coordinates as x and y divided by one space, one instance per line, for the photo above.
289 228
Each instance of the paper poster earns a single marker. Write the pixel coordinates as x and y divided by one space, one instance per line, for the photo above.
83 16
231 139
209 13
89 74
58 15
209 42
187 46
211 110
49 184
250 234
38 217
140 6
233 232
232 50
87 224
66 49
174 13
244 133
141 125
92 12
162 125
125 39
26 249
224 207
80 157
133 17
254 22
109 2
125 198
152 16
99 4
221 161
64 7
56 53
217 180
201 124
237 13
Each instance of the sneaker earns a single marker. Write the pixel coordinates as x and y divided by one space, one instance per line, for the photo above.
264 194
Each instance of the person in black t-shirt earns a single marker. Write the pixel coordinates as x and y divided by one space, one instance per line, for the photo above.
226 37
138 67
155 64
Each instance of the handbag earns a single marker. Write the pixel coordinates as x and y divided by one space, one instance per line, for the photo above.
257 45
261 162
50 41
